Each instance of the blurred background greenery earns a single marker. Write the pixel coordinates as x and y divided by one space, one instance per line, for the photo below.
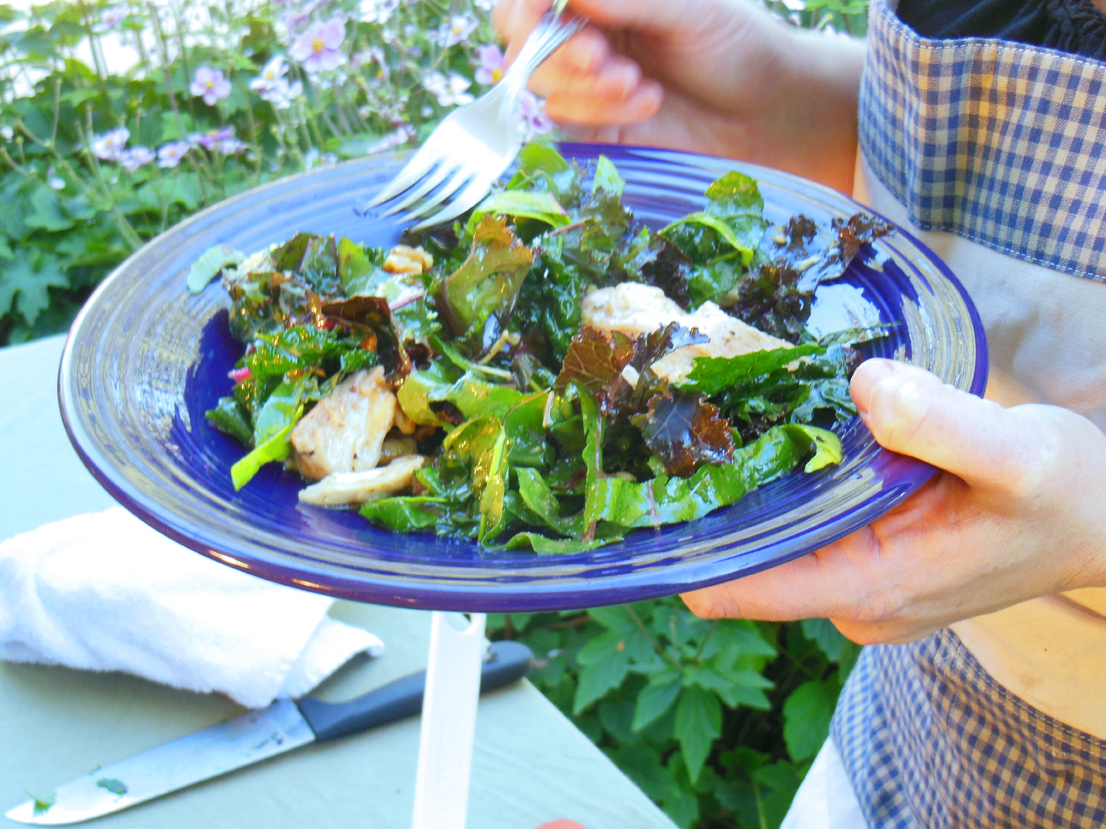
120 119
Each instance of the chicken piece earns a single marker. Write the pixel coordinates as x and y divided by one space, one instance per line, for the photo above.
634 309
408 261
345 488
346 429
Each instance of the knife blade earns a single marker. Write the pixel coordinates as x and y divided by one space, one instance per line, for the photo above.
247 739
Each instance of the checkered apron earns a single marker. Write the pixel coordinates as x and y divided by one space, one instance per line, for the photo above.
1003 144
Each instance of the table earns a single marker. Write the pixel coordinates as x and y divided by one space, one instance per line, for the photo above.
530 765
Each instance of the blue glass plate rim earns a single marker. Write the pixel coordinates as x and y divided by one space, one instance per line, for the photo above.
486 580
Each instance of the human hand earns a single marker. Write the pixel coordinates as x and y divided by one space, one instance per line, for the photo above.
1017 513
716 76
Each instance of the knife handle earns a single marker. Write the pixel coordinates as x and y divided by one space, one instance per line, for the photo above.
505 663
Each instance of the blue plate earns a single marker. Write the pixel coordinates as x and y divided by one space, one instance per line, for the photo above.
145 360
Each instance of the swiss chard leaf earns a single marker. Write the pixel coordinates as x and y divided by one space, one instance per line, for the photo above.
476 300
542 207
210 265
664 500
404 513
544 504
272 429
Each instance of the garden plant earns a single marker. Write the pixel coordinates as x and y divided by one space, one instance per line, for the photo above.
118 120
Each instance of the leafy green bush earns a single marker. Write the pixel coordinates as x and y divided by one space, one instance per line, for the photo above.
717 721
119 120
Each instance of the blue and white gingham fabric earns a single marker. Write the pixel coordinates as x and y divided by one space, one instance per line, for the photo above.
930 741
1003 144
998 142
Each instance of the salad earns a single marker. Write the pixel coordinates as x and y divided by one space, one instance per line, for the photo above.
547 373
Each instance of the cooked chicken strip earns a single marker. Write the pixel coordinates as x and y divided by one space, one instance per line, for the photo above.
344 488
346 429
633 309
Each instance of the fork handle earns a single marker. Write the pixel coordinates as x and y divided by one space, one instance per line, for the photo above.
552 30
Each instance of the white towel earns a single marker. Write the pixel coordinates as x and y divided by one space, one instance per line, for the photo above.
105 592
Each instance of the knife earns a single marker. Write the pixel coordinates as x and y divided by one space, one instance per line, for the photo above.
250 738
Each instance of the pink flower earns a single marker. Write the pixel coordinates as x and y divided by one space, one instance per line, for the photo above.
111 18
490 69
109 145
449 91
317 48
397 138
532 110
229 146
378 11
210 84
459 27
137 157
272 86
273 72
209 140
170 155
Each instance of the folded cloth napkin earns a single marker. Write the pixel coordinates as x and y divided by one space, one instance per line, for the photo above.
104 592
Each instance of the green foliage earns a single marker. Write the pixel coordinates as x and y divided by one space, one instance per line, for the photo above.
717 721
93 95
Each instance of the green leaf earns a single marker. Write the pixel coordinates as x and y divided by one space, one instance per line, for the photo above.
698 723
827 637
777 784
682 805
404 513
806 718
112 785
276 448
477 299
46 212
711 375
182 189
356 267
718 226
275 421
492 467
607 178
542 545
43 803
521 204
825 445
615 618
210 265
25 283
543 503
605 664
655 699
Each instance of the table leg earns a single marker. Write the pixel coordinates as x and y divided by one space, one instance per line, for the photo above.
448 720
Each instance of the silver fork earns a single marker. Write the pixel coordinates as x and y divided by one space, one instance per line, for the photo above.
472 147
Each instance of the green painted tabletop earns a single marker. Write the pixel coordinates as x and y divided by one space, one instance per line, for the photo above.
530 764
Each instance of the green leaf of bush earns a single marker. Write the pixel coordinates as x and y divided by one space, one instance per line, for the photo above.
698 723
655 699
604 667
25 284
806 719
